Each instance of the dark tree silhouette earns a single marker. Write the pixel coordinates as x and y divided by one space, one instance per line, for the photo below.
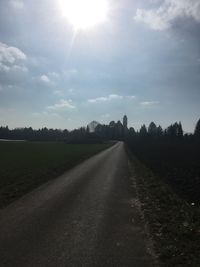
143 130
197 129
112 131
179 130
175 130
159 131
152 129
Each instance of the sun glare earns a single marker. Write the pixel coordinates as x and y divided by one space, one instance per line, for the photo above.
83 14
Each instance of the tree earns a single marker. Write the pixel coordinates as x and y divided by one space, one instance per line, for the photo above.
175 130
132 131
143 130
159 131
179 130
197 129
152 129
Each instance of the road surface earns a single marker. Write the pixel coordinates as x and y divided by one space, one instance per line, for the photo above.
86 217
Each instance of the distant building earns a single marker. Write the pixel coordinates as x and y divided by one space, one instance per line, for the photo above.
125 122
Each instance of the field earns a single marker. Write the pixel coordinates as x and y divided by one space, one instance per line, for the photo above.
172 223
26 165
177 162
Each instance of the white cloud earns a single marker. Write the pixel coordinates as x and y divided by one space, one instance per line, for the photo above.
10 54
20 68
162 18
54 75
113 97
62 105
130 97
153 18
105 98
58 92
98 99
17 4
45 78
71 91
149 103
4 67
109 98
11 58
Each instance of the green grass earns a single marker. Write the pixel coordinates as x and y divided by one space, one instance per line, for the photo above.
26 165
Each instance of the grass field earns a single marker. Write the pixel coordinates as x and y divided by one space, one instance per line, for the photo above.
177 162
173 224
26 165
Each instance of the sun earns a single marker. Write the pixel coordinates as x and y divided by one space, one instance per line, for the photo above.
84 14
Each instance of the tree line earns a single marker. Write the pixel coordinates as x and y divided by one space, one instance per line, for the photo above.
30 134
117 131
101 132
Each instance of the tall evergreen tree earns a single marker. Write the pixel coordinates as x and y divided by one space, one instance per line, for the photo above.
159 131
143 130
152 129
180 130
197 129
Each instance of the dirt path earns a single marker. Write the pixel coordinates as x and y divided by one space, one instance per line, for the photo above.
85 217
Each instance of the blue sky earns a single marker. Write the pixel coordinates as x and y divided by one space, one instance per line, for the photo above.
143 61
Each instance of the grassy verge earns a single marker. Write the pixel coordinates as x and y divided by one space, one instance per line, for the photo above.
26 165
174 225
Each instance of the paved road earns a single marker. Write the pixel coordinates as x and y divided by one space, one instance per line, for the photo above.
86 217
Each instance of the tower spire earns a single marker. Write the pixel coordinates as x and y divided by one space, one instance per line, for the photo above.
125 122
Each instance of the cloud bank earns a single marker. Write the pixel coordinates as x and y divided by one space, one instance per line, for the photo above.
109 98
164 16
149 103
62 105
45 78
11 58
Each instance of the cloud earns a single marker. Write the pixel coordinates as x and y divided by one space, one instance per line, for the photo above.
62 105
11 58
70 73
149 103
130 97
44 113
71 91
54 75
17 4
10 54
4 67
45 78
164 16
20 68
153 18
105 116
58 92
109 98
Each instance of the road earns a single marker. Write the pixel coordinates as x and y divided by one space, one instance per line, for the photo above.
86 217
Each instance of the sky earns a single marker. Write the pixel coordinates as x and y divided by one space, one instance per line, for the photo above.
143 60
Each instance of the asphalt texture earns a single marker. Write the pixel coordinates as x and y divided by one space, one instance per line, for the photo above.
86 217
